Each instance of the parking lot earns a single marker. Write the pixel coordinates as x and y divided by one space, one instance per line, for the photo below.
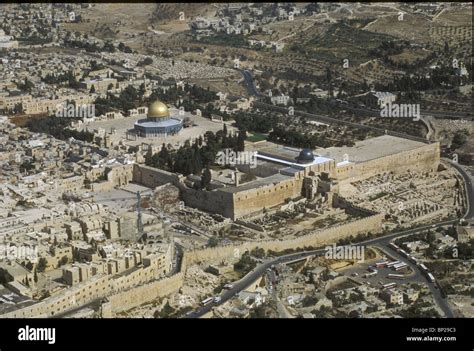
359 273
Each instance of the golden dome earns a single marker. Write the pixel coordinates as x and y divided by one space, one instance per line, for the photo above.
158 110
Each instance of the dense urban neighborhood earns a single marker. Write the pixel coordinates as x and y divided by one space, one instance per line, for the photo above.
236 160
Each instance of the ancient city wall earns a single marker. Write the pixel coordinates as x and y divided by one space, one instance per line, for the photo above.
219 202
76 296
320 238
244 202
255 200
153 177
145 293
424 158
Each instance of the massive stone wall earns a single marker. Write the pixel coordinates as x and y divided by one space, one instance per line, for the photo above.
255 200
238 204
132 298
327 236
153 177
79 295
216 201
423 158
145 293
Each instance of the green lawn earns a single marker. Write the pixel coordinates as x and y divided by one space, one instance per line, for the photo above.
256 137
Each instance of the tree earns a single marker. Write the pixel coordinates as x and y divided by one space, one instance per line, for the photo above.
146 61
26 86
92 89
241 140
18 108
35 276
42 264
141 90
206 178
313 7
29 265
212 242
430 250
163 156
459 139
63 261
328 74
166 312
430 237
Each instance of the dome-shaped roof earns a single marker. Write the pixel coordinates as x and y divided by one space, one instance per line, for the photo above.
306 155
158 110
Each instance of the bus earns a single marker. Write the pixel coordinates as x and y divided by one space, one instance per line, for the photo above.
399 266
412 259
393 263
381 264
396 276
207 301
393 246
389 285
403 253
424 268
431 278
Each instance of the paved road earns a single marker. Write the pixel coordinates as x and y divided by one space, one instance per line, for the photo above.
255 274
435 291
443 115
435 114
250 83
468 181
246 281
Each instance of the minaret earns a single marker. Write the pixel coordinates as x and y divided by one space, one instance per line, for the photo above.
236 177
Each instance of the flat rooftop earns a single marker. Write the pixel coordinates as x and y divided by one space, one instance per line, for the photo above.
280 152
317 160
371 149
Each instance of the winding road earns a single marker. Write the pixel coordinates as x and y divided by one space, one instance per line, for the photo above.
258 271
